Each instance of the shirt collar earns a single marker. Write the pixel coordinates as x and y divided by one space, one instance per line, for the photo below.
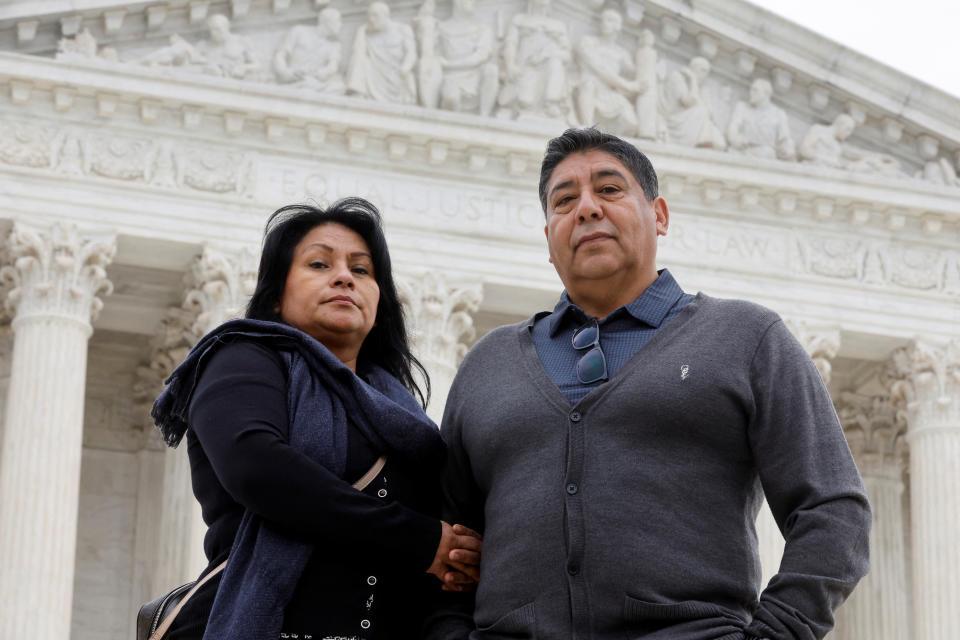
650 307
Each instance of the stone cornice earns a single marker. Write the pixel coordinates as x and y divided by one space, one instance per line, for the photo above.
271 118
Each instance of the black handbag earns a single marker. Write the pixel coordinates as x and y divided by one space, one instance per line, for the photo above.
155 617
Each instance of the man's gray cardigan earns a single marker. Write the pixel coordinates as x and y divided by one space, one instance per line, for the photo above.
631 515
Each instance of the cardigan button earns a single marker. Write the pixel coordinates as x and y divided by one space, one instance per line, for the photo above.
364 624
372 580
572 488
382 493
575 416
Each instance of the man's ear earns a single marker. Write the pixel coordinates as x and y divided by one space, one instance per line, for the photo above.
662 215
546 232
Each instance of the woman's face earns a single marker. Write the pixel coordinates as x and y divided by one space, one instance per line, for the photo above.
331 292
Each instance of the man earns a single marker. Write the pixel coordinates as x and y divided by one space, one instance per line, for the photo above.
760 128
612 452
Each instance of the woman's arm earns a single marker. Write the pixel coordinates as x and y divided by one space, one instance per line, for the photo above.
239 416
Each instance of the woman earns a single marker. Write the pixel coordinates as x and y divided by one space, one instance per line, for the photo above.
282 412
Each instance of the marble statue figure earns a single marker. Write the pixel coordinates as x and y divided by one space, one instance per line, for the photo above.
648 117
536 53
309 57
687 117
603 94
429 66
383 60
759 128
179 53
824 144
466 53
227 54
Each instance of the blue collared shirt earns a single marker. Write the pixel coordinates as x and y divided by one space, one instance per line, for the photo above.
622 333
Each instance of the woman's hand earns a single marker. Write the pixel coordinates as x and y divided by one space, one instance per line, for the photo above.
457 561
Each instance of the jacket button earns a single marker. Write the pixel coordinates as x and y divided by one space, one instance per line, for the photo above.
382 493
372 580
575 416
573 569
364 624
572 488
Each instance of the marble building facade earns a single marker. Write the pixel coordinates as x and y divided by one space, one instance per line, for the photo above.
143 144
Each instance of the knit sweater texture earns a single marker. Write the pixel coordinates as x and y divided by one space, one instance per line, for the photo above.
631 514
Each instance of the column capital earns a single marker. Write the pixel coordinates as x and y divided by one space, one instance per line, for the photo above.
820 342
57 272
924 384
219 284
169 346
440 315
875 432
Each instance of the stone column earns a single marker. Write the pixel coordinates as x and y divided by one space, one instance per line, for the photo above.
218 286
925 386
57 275
439 324
822 346
878 607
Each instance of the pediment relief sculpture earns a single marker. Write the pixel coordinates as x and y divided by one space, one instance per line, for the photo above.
825 144
309 57
475 57
688 119
536 54
759 127
604 96
465 50
383 60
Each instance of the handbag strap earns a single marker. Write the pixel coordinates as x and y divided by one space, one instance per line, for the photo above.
359 485
167 621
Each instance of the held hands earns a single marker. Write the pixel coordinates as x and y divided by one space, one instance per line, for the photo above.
457 561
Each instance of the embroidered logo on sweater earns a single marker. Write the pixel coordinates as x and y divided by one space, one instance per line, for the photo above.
684 371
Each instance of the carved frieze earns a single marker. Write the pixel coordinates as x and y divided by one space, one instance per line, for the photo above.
77 152
880 263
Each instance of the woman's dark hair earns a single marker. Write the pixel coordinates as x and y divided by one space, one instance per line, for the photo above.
386 345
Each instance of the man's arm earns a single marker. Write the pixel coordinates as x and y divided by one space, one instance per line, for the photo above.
814 491
452 618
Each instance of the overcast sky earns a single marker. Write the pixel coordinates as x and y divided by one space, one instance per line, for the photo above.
919 37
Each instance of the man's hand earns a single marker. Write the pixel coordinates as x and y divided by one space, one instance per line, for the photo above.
457 561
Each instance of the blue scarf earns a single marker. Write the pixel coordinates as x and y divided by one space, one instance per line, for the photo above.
265 565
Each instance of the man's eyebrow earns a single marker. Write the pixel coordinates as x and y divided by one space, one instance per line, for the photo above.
558 186
606 173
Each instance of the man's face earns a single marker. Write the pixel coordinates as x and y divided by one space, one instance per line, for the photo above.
329 23
759 93
610 23
599 222
464 6
377 16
